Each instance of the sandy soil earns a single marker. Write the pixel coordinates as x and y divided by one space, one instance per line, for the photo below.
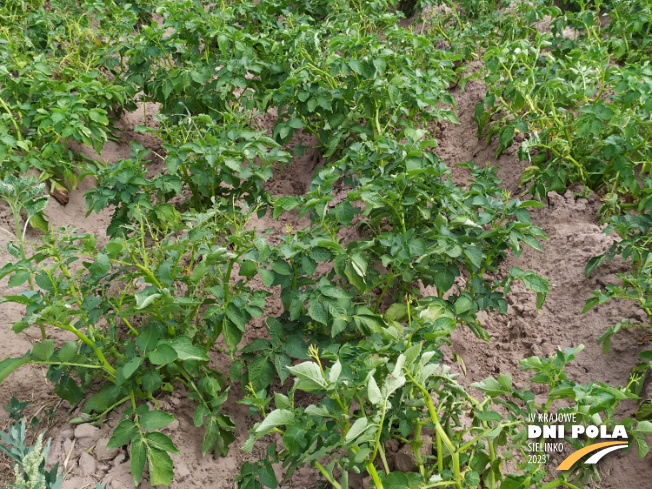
574 236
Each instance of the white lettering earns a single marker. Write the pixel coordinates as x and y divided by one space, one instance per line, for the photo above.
533 431
603 432
553 431
554 447
549 431
592 431
577 430
619 431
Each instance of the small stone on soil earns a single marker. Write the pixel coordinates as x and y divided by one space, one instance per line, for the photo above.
72 483
119 459
404 460
87 431
87 464
103 453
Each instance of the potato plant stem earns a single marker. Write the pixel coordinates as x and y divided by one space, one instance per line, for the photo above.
381 452
380 430
324 472
329 79
67 364
440 451
98 351
382 294
15 209
371 470
417 449
131 328
439 429
492 458
485 433
113 406
315 355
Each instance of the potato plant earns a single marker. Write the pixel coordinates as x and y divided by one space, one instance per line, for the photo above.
394 385
55 90
214 162
362 79
601 142
144 312
392 262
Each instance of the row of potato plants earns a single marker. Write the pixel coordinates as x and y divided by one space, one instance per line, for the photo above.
174 284
580 106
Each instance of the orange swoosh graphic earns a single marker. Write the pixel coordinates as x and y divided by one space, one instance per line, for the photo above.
571 459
